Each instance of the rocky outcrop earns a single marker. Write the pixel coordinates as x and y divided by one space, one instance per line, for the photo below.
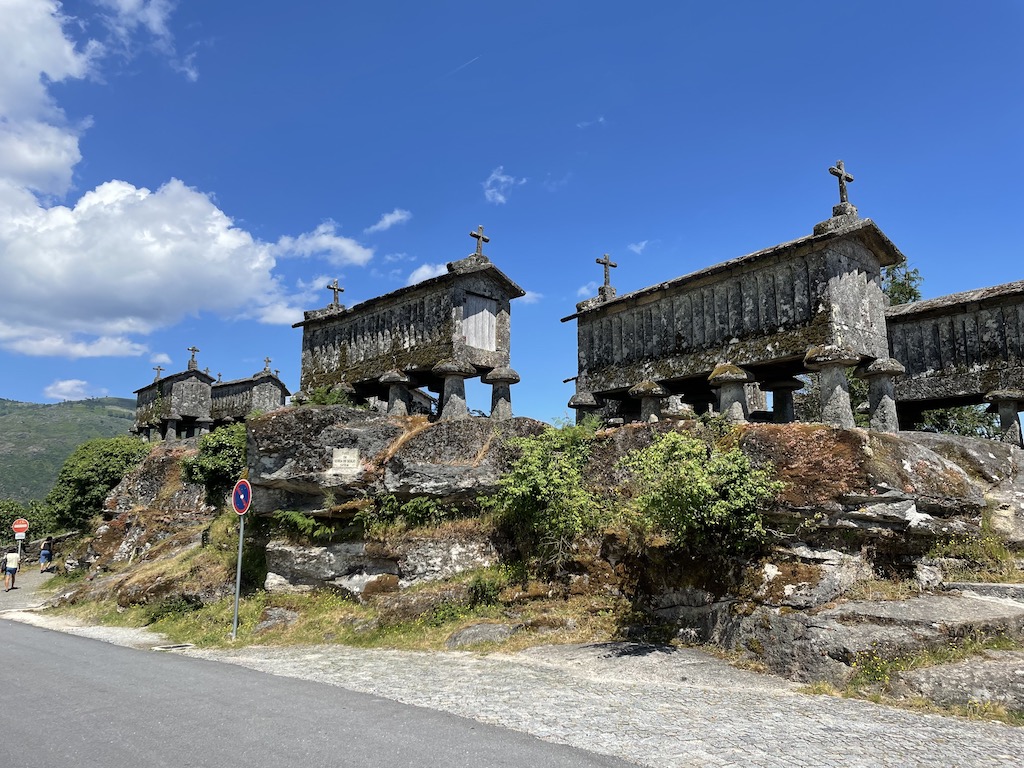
302 457
363 569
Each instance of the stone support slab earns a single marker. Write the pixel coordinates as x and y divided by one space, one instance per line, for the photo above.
881 375
650 394
1008 402
783 409
730 381
453 395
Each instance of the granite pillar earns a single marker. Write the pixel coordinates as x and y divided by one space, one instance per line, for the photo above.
650 394
501 381
399 399
730 381
1008 402
881 375
831 362
453 395
783 410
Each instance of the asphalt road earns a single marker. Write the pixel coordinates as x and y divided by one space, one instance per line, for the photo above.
72 701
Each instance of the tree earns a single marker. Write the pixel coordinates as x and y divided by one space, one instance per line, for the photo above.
900 283
220 460
89 474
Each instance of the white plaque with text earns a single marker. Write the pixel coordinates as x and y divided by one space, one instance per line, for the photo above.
346 461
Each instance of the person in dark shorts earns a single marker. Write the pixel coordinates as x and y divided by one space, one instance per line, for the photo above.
13 561
45 554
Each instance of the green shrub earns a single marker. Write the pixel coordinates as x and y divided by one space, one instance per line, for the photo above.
41 519
484 589
387 513
220 461
305 525
704 498
88 475
329 395
541 501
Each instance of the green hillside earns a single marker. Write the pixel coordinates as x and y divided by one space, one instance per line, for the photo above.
36 439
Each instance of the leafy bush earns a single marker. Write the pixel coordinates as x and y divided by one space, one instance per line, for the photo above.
704 498
305 525
484 589
331 395
88 475
542 500
40 517
417 512
220 460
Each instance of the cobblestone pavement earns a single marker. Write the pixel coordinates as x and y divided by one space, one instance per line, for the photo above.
654 706
657 707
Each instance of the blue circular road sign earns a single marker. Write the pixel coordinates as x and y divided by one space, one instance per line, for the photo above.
241 497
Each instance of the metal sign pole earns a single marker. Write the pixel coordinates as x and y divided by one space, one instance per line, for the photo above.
238 575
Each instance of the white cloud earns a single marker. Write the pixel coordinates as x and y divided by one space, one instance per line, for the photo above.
425 272
38 149
326 242
590 289
126 18
587 123
160 358
89 278
638 248
531 297
553 185
498 185
392 257
68 389
388 220
124 261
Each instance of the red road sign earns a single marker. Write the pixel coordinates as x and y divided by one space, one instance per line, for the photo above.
241 497
20 525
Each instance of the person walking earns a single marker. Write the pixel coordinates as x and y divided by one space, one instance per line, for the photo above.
11 569
45 554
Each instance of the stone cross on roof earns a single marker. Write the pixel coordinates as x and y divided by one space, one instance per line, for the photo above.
607 262
266 364
337 289
481 238
218 377
840 173
158 370
192 363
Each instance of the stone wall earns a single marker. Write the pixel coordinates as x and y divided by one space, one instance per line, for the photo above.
961 349
235 400
410 330
763 312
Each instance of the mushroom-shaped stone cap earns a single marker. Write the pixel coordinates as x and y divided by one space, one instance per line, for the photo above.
998 395
648 388
789 384
452 367
880 366
583 400
727 373
394 376
829 354
503 375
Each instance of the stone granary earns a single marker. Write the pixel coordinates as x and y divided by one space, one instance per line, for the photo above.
811 304
192 403
434 334
961 349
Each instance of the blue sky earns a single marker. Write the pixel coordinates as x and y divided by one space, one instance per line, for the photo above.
177 174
